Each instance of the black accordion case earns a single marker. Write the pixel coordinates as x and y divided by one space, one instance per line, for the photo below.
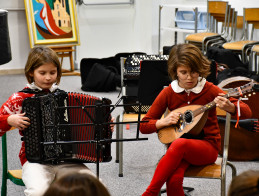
67 126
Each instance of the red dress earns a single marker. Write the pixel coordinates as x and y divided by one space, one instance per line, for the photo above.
172 100
199 150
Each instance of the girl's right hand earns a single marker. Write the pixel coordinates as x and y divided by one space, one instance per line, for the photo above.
170 119
19 121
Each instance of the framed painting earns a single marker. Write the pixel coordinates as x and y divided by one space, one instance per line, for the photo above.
109 2
52 22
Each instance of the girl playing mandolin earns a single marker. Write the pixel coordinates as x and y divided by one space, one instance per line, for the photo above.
188 68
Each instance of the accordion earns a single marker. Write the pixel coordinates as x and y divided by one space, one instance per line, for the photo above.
64 128
133 64
132 80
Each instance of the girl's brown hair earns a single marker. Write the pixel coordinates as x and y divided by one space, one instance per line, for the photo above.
38 56
77 184
190 56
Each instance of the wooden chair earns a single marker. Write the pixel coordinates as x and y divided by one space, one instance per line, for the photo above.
14 175
216 170
242 47
217 13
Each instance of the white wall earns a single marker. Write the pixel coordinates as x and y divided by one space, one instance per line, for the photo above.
104 30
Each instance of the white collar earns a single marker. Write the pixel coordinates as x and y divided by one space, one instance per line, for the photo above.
33 86
197 89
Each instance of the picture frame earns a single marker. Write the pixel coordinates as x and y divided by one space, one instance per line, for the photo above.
109 2
52 22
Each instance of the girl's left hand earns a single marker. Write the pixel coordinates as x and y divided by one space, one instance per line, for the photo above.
224 104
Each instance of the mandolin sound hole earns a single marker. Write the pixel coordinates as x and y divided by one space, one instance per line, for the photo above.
188 117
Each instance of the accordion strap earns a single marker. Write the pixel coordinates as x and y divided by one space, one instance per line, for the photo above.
37 91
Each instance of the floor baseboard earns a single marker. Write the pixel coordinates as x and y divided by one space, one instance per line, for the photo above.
11 71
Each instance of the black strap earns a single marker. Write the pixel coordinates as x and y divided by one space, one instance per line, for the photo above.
37 91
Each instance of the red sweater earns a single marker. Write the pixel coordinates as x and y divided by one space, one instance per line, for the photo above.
13 106
172 100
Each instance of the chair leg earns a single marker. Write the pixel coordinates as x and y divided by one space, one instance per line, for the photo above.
3 188
121 147
223 180
117 137
223 186
186 193
234 170
255 63
4 166
189 189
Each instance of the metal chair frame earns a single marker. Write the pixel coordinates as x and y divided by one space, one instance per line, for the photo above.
221 163
253 61
13 175
218 169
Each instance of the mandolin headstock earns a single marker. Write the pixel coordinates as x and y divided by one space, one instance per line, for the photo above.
242 90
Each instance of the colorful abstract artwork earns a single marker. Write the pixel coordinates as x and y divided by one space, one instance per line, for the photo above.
52 22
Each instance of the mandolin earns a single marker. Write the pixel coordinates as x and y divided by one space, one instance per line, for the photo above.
193 117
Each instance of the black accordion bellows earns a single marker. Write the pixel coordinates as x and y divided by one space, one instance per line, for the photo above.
68 118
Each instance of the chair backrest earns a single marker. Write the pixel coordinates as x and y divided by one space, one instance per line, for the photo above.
251 16
238 24
218 10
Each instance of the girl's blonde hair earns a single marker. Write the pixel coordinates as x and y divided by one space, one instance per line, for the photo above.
190 56
38 56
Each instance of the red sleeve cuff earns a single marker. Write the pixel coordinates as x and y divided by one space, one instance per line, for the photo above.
4 126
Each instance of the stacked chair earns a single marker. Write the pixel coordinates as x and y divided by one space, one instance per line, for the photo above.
244 46
221 13
254 65
230 30
218 12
